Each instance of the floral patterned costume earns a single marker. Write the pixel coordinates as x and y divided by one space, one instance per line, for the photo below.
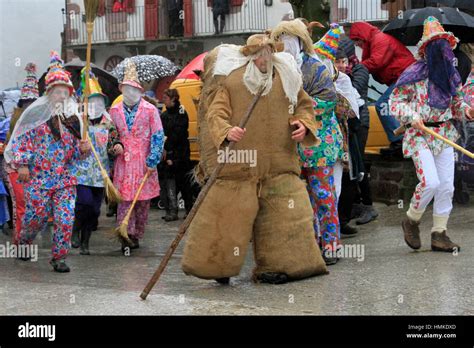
52 186
319 161
142 136
90 189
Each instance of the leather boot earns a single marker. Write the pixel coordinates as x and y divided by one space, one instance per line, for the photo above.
75 239
441 242
411 233
85 236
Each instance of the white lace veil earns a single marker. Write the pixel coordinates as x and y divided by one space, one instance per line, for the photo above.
38 113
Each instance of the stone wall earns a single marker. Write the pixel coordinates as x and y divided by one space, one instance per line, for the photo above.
392 180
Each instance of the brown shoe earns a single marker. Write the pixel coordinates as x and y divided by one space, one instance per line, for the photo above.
411 233
441 242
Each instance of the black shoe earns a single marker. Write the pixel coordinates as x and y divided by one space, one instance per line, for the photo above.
24 258
85 236
20 255
349 230
60 266
329 261
223 281
273 278
135 244
172 217
75 239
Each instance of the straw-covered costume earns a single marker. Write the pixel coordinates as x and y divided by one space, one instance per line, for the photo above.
266 203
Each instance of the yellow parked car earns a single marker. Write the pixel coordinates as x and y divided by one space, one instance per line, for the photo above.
189 91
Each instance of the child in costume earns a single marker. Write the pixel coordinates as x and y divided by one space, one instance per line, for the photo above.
45 147
429 93
90 188
142 138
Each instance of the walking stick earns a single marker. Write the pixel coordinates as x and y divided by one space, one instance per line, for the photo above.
447 141
121 231
400 130
202 195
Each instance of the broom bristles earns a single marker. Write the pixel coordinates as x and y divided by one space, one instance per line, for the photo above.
92 8
120 233
111 191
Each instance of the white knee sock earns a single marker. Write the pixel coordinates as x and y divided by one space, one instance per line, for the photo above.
440 223
414 214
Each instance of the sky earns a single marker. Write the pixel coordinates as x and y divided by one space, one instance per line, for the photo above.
29 30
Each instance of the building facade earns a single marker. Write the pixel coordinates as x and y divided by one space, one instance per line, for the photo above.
134 27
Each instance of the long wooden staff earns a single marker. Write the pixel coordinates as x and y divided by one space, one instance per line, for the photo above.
92 8
202 195
401 130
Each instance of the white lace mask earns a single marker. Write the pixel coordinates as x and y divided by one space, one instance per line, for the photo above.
131 95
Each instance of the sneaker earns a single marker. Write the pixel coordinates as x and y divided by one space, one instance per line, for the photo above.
356 211
411 232
368 214
441 242
60 266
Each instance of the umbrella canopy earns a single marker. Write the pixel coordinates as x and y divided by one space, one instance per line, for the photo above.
149 67
189 71
409 29
107 81
461 4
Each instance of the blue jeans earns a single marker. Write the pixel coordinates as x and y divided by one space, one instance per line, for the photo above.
389 122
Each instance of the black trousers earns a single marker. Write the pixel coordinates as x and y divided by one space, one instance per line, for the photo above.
364 194
172 182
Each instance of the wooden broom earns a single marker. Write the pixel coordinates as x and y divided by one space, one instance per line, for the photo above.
121 231
92 8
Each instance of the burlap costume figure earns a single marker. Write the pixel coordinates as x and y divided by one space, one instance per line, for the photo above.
267 203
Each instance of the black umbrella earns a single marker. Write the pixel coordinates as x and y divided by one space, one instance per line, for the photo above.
461 4
107 81
409 29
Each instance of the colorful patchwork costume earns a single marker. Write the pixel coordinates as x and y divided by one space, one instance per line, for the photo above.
430 90
45 144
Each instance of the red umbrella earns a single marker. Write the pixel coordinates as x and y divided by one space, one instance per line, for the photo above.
189 71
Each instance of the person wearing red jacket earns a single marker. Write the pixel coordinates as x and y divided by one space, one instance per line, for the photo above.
386 58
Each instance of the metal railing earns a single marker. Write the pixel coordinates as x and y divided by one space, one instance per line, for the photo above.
252 16
349 11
